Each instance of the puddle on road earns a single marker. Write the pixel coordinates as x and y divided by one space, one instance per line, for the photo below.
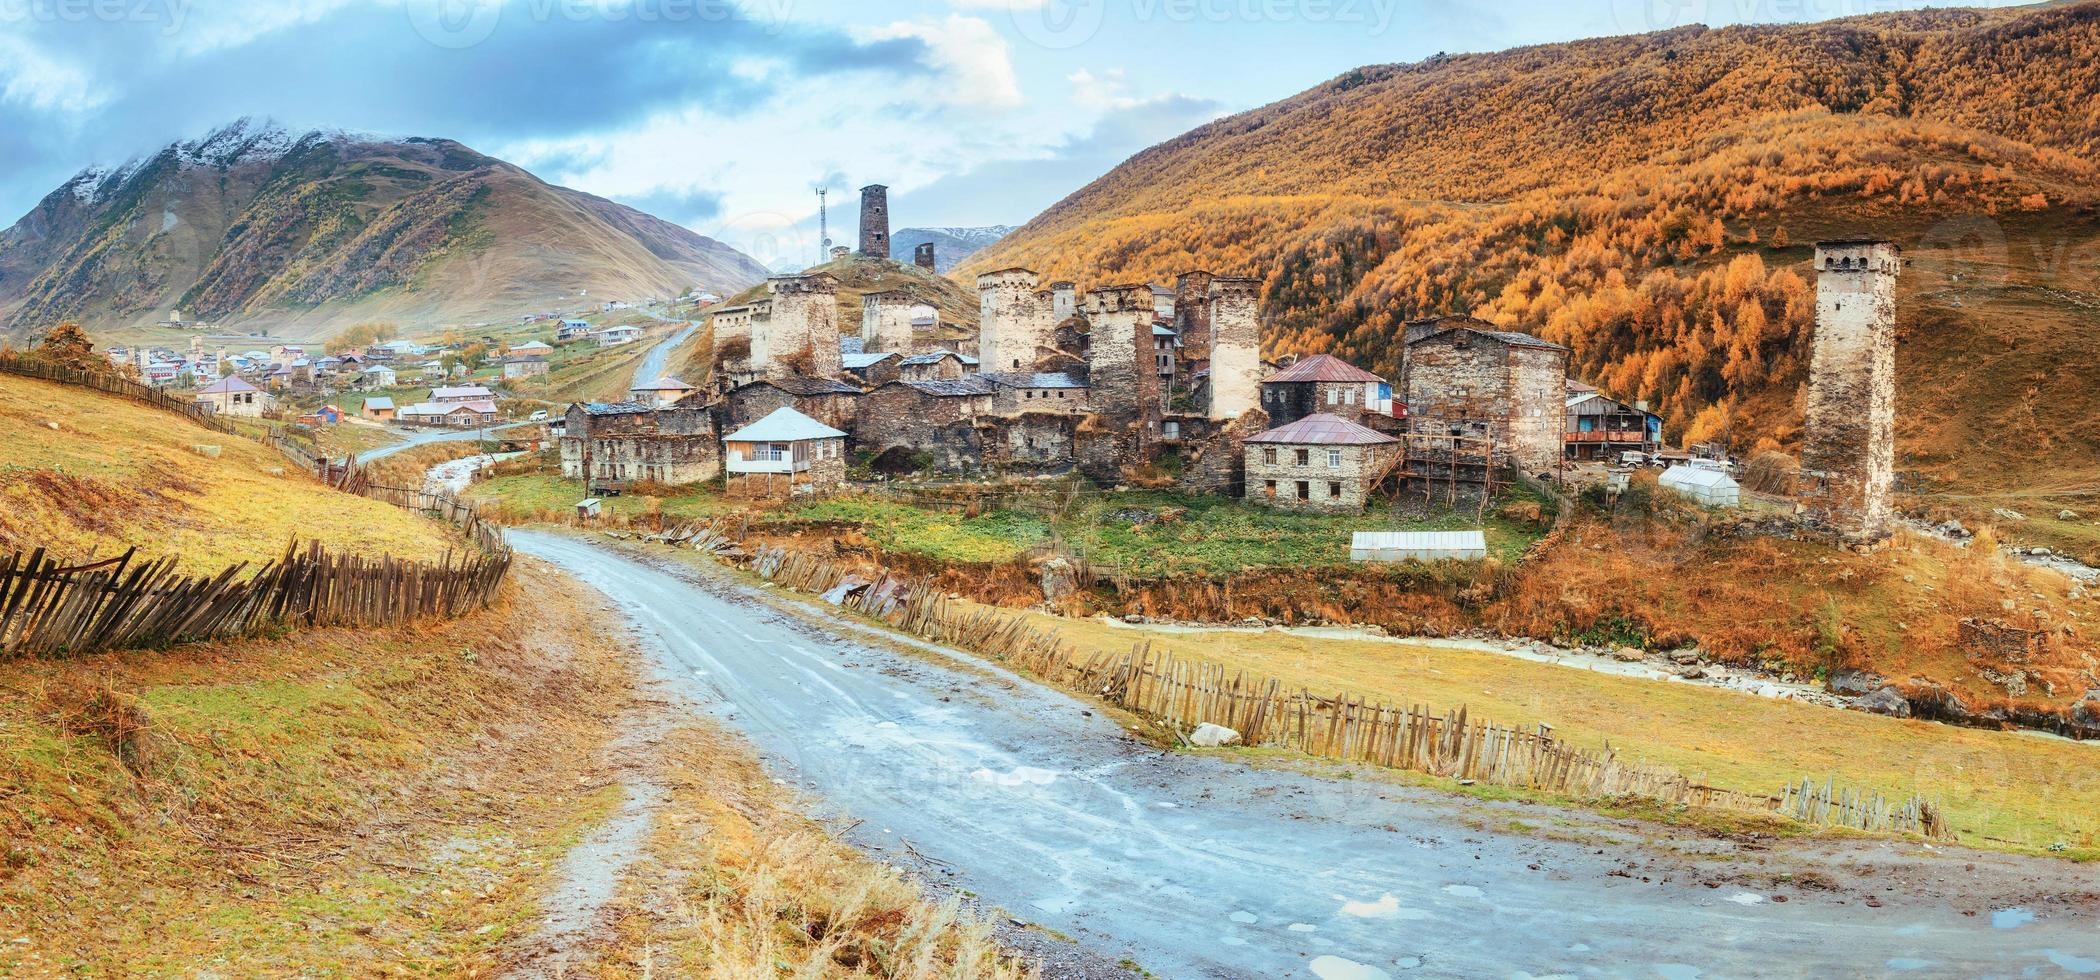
1245 918
1331 967
1906 964
1386 907
1746 898
2012 918
2074 964
1462 891
1020 776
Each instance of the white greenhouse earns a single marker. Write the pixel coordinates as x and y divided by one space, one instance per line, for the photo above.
1419 545
1708 486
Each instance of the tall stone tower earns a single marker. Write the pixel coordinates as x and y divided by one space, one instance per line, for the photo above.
1848 460
1192 314
885 322
1232 320
1010 321
922 256
1064 302
1122 373
802 334
875 221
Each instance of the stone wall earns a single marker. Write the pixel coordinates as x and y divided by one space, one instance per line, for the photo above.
675 446
1235 345
1028 442
749 403
941 426
1848 456
885 322
1213 452
733 336
1334 479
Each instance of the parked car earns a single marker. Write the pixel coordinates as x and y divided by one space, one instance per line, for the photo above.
539 416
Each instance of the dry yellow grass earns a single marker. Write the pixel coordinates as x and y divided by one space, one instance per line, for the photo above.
1999 788
115 474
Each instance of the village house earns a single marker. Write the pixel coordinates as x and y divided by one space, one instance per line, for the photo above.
524 366
627 442
834 403
232 396
784 454
379 376
936 418
1466 378
1600 428
378 408
939 365
661 393
531 348
874 369
461 415
1321 463
1326 384
616 336
1040 392
462 393
572 330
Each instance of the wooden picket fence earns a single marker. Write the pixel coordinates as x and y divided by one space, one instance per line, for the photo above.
48 608
1184 693
115 384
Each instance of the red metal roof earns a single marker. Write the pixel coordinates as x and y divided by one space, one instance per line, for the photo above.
1323 429
1321 367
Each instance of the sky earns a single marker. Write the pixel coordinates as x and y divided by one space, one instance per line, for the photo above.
726 115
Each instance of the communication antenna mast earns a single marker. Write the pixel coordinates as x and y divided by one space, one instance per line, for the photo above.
823 226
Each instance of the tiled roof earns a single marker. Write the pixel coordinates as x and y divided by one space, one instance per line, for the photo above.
1059 379
1321 367
808 386
616 408
379 402
934 357
1475 325
969 384
1323 429
227 385
862 361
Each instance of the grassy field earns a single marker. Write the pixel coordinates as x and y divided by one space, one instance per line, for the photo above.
2000 789
945 535
546 496
114 474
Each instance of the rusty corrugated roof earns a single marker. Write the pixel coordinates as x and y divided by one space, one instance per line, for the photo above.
1321 367
1322 429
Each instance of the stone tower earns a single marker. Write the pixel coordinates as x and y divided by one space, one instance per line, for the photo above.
875 221
1232 321
922 256
885 322
1192 299
1848 460
1011 322
1123 375
802 334
1064 302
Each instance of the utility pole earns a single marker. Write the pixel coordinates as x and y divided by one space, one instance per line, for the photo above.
823 226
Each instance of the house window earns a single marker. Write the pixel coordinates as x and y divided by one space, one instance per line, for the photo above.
1304 490
1271 488
1172 430
1348 396
1334 490
1060 394
1334 396
1334 459
1268 458
1028 394
1304 457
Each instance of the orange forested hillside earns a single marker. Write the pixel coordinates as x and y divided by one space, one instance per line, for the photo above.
1651 200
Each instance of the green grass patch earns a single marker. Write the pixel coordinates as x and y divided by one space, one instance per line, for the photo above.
996 536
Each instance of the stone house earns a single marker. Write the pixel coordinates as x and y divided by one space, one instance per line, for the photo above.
1059 393
1320 464
1470 380
627 442
940 365
524 366
231 395
834 403
937 418
1326 384
664 392
784 454
874 368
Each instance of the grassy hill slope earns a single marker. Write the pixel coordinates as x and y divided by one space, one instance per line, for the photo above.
86 474
1648 200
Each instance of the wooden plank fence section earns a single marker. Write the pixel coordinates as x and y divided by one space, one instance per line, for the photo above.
47 608
1183 693
115 384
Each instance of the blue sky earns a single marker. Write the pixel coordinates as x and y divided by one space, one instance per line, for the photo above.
724 114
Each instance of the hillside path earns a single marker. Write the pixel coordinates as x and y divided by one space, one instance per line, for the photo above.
1193 865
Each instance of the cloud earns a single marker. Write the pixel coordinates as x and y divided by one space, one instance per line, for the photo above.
974 59
679 205
1104 92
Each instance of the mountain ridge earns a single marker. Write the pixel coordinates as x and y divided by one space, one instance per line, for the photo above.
310 231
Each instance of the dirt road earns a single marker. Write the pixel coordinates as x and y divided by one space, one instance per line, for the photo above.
1193 865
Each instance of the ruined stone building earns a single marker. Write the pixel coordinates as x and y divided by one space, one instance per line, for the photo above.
1052 392
875 221
1324 383
828 400
1320 464
934 418
628 442
1848 458
940 365
1469 379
